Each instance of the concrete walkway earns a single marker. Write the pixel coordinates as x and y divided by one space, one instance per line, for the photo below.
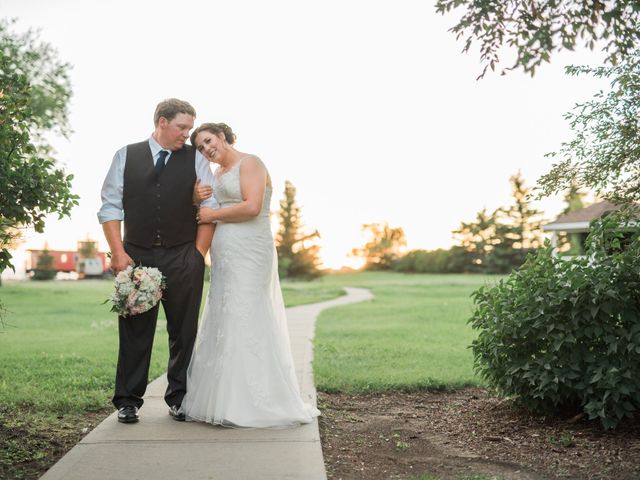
160 448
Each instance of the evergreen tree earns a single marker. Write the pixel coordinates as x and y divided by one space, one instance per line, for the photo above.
383 248
500 241
44 269
574 200
504 255
518 230
87 248
527 221
476 240
298 254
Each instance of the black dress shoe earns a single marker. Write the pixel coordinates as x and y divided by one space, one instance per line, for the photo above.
174 411
128 414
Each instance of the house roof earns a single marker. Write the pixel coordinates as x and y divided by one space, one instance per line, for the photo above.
580 219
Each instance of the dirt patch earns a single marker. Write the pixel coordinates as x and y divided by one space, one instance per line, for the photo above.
31 443
467 434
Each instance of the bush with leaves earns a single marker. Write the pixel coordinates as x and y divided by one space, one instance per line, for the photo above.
566 333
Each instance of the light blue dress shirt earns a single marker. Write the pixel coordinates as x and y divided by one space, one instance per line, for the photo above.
114 182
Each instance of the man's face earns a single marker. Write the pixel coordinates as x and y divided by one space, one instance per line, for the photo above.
173 134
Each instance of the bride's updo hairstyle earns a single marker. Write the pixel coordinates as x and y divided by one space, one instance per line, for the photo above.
214 128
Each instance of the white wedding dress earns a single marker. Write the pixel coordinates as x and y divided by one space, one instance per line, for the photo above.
241 372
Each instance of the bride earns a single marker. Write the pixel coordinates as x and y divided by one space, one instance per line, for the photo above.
241 372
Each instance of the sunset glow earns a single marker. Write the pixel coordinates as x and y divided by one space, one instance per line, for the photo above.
380 121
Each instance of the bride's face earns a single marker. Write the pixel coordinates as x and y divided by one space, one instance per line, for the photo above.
212 146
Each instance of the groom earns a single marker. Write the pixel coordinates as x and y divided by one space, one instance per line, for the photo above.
149 187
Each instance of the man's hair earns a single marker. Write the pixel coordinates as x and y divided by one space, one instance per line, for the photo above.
171 107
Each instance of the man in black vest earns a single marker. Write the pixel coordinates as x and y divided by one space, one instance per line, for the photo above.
150 187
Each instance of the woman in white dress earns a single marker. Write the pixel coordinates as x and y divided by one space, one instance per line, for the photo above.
241 372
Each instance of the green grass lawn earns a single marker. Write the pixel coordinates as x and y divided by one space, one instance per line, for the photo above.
59 345
299 293
58 353
413 335
58 349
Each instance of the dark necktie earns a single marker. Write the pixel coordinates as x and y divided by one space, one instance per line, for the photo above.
160 162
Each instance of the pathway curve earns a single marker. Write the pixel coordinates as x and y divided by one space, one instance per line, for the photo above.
160 448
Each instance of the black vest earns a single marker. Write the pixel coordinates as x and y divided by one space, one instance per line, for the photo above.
159 208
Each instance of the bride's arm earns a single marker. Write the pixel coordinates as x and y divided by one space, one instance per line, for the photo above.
253 181
204 236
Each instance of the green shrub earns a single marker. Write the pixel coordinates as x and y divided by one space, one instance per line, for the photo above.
566 333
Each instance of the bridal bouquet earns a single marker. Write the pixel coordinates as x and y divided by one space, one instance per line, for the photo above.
137 290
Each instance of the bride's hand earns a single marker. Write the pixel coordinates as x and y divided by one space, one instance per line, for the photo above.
201 192
206 215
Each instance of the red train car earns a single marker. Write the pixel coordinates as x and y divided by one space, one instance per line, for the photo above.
69 261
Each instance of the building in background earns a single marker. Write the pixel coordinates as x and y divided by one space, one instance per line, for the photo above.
575 226
86 260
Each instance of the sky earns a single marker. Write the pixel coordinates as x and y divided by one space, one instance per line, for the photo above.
368 107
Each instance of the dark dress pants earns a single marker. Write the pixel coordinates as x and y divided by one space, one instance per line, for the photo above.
183 268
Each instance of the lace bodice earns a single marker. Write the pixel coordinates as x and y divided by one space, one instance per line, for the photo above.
227 190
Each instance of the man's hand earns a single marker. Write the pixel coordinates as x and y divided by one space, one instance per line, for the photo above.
119 257
201 192
120 261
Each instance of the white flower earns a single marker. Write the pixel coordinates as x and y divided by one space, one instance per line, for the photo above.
137 290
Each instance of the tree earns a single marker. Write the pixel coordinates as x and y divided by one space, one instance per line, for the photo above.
574 199
518 230
298 254
526 220
505 254
44 269
477 239
384 246
34 93
429 261
87 248
604 154
535 29
500 241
